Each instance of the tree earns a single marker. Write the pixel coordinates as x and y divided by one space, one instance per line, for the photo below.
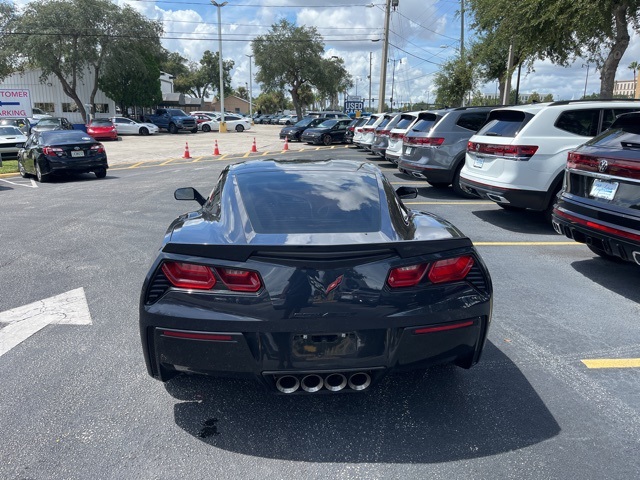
202 79
290 57
453 81
561 30
634 66
242 92
272 101
8 17
71 38
173 63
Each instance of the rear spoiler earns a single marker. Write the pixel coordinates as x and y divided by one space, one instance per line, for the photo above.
322 253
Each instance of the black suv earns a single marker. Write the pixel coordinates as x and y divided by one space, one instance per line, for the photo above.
600 202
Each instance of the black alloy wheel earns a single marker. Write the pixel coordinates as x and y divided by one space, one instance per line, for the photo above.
42 178
172 128
144 131
327 140
239 128
194 130
101 172
206 128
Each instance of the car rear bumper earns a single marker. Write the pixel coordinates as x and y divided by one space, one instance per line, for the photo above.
517 198
616 234
74 166
425 172
267 355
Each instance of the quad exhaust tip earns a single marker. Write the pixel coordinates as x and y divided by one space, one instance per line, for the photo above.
333 382
636 257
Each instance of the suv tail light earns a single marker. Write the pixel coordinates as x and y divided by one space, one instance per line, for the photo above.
425 141
383 132
396 135
368 129
188 275
52 151
440 271
512 152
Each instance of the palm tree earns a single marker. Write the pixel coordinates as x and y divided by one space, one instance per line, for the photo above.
634 66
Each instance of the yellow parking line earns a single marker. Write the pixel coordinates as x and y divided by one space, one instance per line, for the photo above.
522 244
167 162
612 363
136 165
197 159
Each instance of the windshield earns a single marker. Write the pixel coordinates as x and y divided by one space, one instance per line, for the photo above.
177 112
102 123
305 121
10 131
49 121
328 123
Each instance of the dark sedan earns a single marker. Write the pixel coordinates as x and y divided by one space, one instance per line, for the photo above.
294 132
52 152
311 276
328 132
600 202
52 123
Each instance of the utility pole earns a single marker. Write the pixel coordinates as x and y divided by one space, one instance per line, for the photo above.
461 29
223 126
370 54
507 82
385 52
250 89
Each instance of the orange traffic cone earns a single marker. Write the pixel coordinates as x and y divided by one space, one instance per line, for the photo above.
286 144
215 150
253 147
186 151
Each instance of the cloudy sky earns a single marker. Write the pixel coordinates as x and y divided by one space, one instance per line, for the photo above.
423 34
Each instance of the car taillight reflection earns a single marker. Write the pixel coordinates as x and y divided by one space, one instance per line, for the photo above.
52 151
424 141
440 271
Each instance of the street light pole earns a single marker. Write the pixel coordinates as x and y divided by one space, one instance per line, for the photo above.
223 126
385 52
250 89
370 54
585 80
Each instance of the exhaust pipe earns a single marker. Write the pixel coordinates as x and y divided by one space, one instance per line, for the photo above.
497 198
287 384
359 381
636 257
335 382
311 383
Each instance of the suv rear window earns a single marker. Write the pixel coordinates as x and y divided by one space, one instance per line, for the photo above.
505 123
472 120
610 115
346 203
405 121
425 122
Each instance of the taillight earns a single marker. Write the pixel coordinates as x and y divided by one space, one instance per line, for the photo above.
188 275
383 132
514 152
451 269
215 337
240 280
406 276
52 151
395 135
367 129
99 148
424 141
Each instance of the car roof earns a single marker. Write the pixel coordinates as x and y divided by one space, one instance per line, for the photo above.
302 165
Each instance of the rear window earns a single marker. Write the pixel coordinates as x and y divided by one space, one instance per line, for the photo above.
384 123
505 123
65 136
580 122
320 202
472 121
425 122
102 123
405 121
629 123
610 115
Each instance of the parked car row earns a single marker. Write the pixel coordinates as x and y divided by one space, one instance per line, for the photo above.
529 157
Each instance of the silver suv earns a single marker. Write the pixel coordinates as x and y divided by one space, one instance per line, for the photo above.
434 147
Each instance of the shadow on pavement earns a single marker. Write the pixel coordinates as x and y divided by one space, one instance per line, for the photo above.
445 414
619 277
522 221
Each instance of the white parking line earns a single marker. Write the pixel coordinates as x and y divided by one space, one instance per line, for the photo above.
32 183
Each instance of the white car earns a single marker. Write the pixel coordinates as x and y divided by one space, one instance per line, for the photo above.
394 148
233 121
11 140
365 139
129 126
518 158
288 120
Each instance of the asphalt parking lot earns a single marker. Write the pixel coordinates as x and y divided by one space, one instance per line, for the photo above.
76 402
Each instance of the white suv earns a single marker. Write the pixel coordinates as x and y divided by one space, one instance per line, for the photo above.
517 158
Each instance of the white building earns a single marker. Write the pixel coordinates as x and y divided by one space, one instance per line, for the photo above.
624 87
50 97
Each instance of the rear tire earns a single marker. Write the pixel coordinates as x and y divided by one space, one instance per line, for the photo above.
144 131
206 128
41 177
327 140
194 130
101 173
455 184
239 128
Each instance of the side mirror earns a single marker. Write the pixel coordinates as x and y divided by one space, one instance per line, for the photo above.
189 193
407 192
